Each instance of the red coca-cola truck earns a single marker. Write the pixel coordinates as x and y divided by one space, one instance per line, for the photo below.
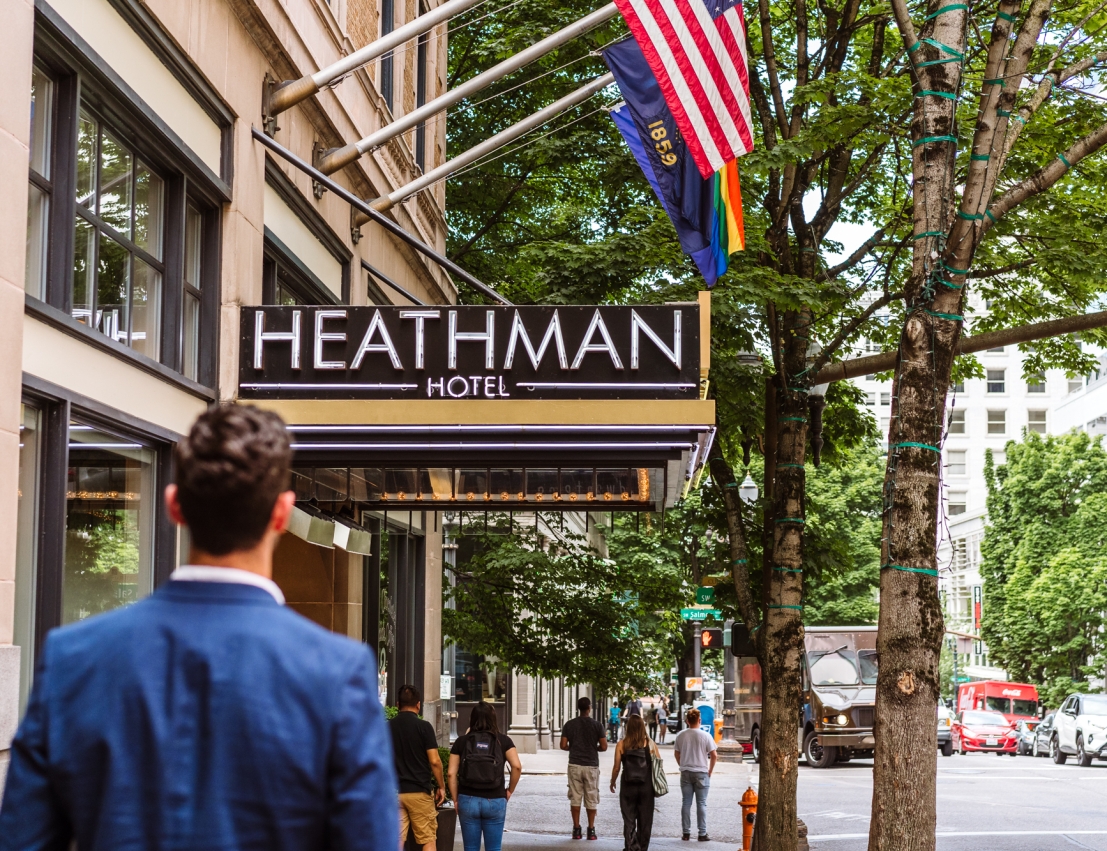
1016 701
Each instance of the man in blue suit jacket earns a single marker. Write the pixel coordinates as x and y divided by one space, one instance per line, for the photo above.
207 716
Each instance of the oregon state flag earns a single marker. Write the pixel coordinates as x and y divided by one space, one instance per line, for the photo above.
707 214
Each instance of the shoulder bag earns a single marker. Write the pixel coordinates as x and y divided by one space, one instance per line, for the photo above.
660 784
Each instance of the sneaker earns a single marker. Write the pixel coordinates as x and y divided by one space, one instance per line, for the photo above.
685 836
592 833
703 837
577 832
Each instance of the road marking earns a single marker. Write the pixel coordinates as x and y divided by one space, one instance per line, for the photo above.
830 837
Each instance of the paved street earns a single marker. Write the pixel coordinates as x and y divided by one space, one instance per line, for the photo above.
984 802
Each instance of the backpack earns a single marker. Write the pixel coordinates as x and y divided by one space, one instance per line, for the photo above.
482 763
636 766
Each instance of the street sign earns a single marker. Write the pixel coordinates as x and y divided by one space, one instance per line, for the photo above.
699 614
705 596
693 683
445 687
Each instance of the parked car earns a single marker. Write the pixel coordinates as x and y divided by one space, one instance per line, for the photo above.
945 730
1080 729
980 730
1042 735
1026 732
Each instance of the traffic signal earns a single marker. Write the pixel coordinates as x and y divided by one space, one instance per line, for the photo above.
711 638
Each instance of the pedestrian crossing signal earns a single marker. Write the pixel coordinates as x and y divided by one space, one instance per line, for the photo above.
711 638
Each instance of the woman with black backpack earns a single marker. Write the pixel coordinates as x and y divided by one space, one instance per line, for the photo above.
634 756
476 779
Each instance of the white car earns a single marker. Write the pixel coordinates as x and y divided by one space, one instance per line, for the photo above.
1080 729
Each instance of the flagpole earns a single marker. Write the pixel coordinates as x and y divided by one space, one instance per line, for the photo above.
337 158
291 92
504 137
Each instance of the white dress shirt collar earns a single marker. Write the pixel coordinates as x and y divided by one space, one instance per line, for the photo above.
204 573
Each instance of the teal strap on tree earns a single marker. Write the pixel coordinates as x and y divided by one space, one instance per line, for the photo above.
950 285
953 7
1061 157
926 140
914 47
980 158
996 81
1018 117
952 317
739 561
791 419
798 520
988 213
916 446
752 631
797 466
940 62
927 571
799 389
789 569
928 93
1005 17
968 217
951 270
945 48
927 233
1006 113
796 608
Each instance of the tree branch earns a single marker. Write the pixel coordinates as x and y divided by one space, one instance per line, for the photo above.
856 367
844 334
1003 270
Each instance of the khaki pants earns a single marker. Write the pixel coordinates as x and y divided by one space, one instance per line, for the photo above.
417 810
584 785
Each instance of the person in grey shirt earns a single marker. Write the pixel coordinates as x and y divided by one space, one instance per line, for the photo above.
695 754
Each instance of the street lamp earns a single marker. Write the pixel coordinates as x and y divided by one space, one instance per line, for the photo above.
816 402
747 491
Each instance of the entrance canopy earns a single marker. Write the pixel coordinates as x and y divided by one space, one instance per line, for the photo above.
490 408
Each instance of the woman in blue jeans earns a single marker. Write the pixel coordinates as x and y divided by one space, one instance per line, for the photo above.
476 778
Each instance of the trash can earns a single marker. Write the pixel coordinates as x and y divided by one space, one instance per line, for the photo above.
447 829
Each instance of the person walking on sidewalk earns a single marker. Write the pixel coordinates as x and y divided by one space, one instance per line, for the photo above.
583 737
695 754
613 723
418 768
634 706
636 795
662 721
651 722
209 714
476 777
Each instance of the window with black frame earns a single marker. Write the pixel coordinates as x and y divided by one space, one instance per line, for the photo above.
142 231
117 251
287 281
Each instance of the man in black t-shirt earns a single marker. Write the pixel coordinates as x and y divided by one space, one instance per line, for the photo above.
418 769
584 737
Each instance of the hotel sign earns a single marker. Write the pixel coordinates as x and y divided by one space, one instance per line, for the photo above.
471 352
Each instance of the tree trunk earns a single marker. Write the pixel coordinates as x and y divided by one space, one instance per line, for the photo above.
782 632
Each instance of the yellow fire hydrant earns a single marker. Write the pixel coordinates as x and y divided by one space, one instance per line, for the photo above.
749 816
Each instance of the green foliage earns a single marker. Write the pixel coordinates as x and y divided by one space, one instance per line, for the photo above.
552 605
116 546
1045 563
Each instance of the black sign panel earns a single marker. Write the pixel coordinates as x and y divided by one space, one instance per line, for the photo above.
532 352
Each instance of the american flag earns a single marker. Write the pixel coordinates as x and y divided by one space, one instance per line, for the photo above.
697 51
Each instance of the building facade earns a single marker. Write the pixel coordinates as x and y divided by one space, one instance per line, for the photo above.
140 216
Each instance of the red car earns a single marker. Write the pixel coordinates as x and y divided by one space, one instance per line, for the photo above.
979 730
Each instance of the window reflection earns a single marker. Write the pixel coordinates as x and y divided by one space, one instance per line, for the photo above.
109 523
478 678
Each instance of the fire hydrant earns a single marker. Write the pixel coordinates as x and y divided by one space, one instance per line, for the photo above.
749 816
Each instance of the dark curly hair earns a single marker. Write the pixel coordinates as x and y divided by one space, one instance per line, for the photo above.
230 470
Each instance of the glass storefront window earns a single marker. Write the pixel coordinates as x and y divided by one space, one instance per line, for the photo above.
109 522
38 206
26 542
478 678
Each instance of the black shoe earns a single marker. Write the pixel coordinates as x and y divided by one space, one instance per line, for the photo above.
592 833
577 832
685 836
704 837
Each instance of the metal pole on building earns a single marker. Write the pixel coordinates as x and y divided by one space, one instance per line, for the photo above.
504 137
337 158
389 225
729 667
291 92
